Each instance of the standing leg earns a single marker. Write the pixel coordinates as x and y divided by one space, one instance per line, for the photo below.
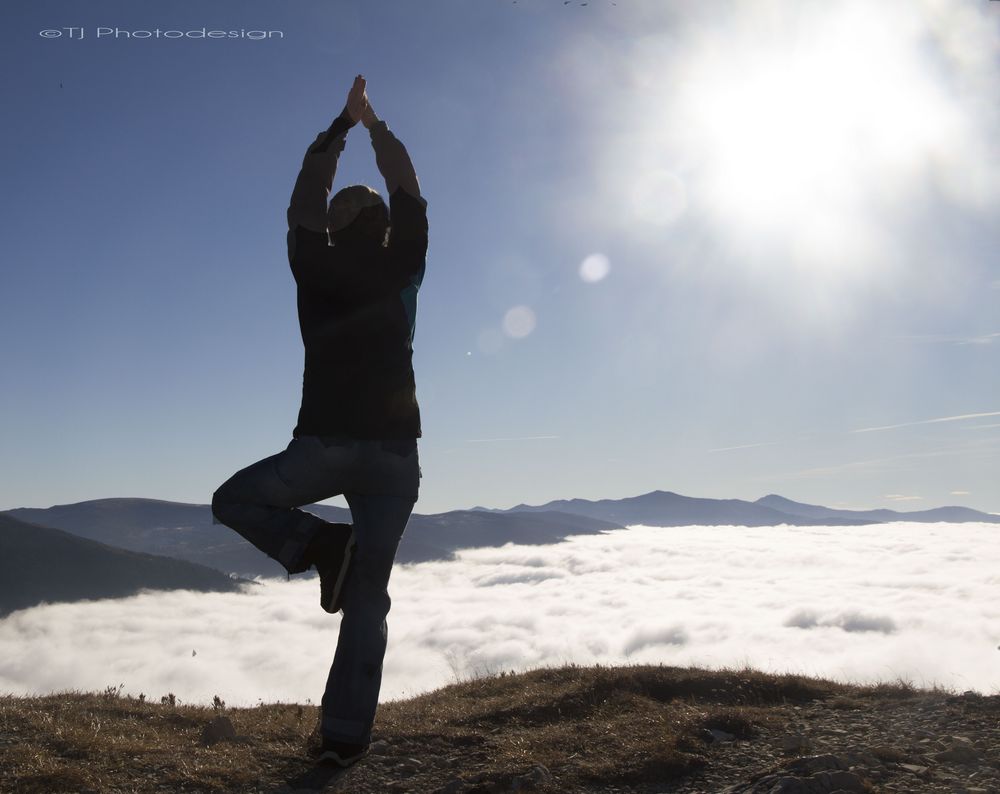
260 501
352 688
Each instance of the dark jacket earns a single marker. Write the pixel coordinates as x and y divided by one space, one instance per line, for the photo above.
357 305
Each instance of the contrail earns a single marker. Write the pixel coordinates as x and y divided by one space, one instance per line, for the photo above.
745 446
517 438
928 421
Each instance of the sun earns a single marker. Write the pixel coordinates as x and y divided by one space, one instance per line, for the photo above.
802 130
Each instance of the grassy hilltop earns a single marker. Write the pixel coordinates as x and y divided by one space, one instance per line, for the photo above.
599 729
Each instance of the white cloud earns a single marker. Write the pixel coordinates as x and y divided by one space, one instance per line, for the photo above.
849 603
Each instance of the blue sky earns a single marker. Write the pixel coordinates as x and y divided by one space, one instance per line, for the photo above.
723 249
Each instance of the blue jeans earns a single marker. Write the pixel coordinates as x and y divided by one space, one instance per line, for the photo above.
380 480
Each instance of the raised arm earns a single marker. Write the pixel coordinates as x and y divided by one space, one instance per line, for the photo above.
407 208
308 204
391 156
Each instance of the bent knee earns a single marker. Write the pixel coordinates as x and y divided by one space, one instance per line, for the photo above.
222 504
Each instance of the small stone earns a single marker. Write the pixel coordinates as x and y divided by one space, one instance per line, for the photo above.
538 776
842 781
785 785
959 754
218 730
886 751
793 743
379 747
817 763
838 781
860 757
916 769
720 736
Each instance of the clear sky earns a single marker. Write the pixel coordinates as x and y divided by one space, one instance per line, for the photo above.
724 249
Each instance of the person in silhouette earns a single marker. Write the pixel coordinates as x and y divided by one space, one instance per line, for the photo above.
357 264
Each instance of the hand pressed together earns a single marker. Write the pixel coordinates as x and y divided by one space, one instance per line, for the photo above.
368 116
357 101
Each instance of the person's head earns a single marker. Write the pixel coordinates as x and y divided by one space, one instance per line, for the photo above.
357 214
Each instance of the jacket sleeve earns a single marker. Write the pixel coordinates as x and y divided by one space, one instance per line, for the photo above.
408 235
393 161
407 208
312 187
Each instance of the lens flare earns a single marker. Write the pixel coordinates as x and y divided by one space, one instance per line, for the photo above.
518 322
594 268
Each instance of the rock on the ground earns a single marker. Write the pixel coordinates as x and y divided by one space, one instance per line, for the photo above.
829 780
218 730
794 743
959 753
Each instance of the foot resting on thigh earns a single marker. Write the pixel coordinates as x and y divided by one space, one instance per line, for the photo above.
331 552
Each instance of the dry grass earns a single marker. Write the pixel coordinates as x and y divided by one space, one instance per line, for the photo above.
592 727
76 741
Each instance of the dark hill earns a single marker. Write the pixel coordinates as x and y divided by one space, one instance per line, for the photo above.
172 529
40 564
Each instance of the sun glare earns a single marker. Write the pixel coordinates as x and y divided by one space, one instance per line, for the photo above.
797 129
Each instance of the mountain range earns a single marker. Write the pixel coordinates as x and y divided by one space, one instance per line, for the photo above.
186 531
109 547
669 509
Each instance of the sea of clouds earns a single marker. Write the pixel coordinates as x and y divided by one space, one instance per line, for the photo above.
871 603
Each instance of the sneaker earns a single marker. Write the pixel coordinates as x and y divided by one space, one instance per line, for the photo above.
331 553
342 753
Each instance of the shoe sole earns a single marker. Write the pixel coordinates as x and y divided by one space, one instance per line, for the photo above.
340 760
333 605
